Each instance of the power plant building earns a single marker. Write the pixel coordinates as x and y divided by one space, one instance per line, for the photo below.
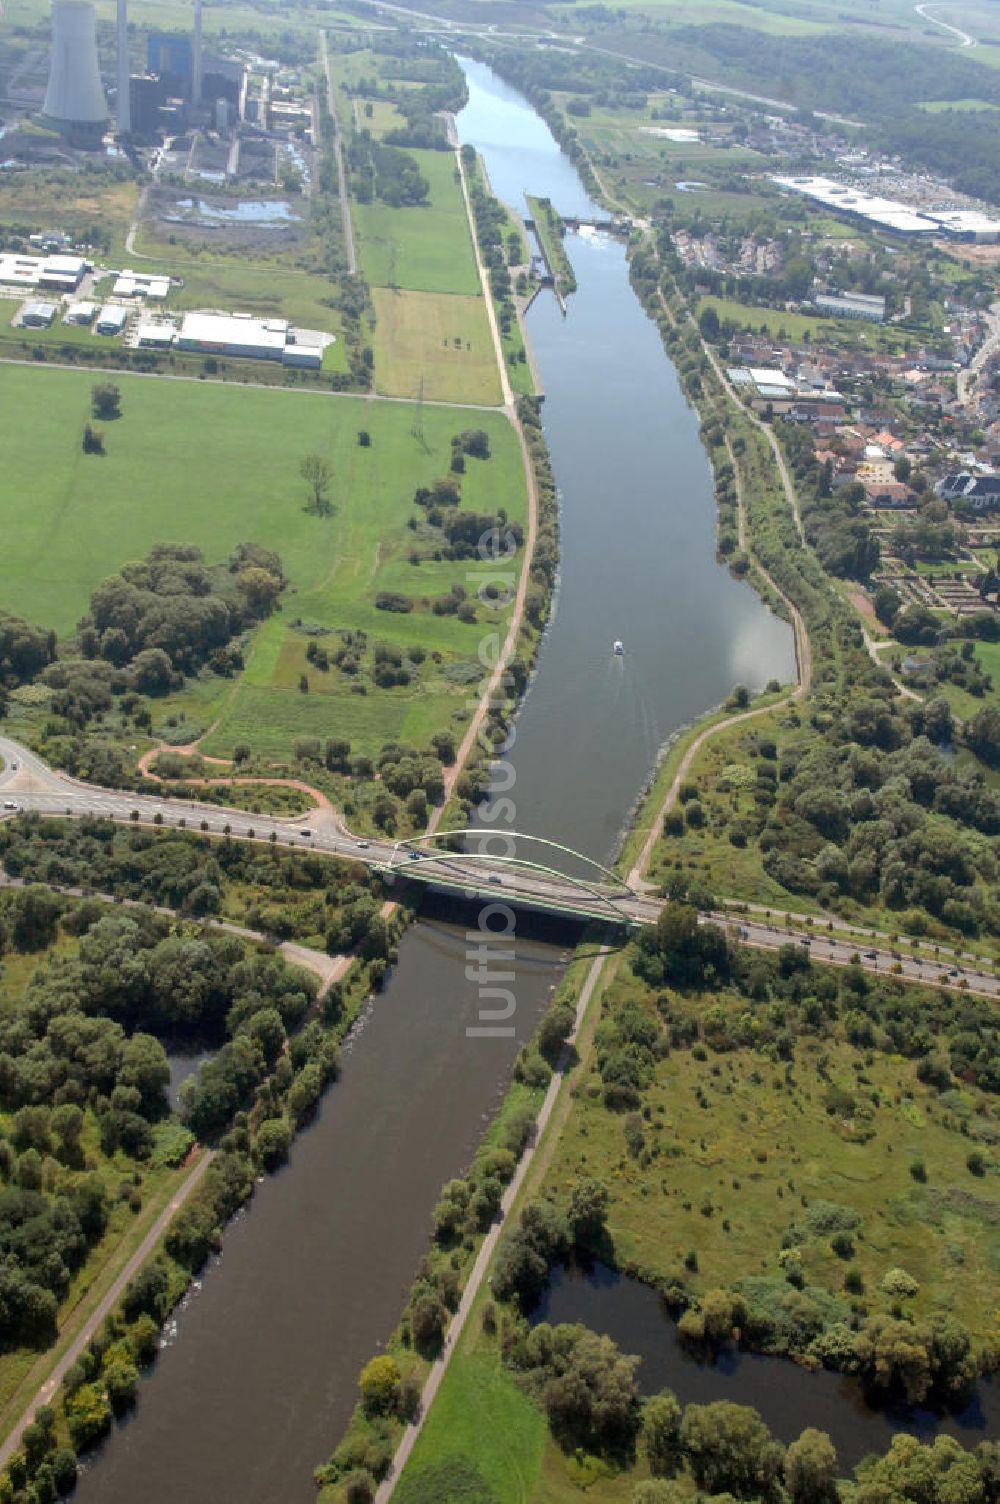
147 97
172 59
74 99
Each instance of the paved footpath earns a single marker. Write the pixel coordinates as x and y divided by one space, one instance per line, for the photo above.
105 1306
489 1245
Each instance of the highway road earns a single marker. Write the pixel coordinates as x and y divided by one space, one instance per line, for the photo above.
29 784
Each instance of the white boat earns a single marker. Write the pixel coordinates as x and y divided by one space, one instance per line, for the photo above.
619 647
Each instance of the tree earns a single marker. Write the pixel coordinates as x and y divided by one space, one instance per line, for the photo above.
588 1210
67 1125
317 473
380 1385
273 1141
105 401
730 1450
708 323
811 1468
982 735
661 1433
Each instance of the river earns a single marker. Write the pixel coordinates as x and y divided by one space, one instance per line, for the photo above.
637 523
260 1376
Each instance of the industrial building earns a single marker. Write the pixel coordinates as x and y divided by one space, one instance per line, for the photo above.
80 313
60 273
891 215
867 208
151 335
171 58
37 315
852 305
147 97
130 284
970 225
74 98
112 319
246 338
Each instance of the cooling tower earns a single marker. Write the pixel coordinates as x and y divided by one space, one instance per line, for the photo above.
75 96
124 103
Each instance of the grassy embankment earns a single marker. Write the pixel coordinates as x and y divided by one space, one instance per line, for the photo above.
89 515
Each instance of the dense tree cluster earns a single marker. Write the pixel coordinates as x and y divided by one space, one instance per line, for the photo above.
172 613
24 650
284 893
836 522
386 172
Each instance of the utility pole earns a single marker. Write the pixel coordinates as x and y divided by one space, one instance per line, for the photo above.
418 417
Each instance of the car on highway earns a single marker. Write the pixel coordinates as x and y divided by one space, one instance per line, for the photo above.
9 804
495 878
364 845
871 955
413 856
305 832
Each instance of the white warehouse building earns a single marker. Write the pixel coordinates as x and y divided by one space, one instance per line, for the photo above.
246 338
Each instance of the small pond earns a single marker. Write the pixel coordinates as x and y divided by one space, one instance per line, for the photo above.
788 1397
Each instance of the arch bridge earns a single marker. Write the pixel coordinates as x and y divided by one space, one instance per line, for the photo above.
519 881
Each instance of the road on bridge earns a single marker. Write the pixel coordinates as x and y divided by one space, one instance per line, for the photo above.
29 784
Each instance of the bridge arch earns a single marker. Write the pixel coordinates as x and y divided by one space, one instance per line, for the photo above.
433 855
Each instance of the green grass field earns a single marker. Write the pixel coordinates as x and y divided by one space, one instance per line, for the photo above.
69 520
439 339
796 325
760 1131
423 249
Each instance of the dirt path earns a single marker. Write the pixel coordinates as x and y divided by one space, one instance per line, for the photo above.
338 149
452 773
485 1256
47 1388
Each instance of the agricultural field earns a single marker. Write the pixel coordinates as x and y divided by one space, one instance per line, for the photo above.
425 248
438 340
90 514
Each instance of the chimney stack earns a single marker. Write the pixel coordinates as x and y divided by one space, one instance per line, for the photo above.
196 63
124 73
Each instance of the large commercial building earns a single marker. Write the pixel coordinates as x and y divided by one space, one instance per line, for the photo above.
891 215
246 339
868 208
59 273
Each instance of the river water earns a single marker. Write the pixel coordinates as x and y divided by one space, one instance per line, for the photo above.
637 518
261 1373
